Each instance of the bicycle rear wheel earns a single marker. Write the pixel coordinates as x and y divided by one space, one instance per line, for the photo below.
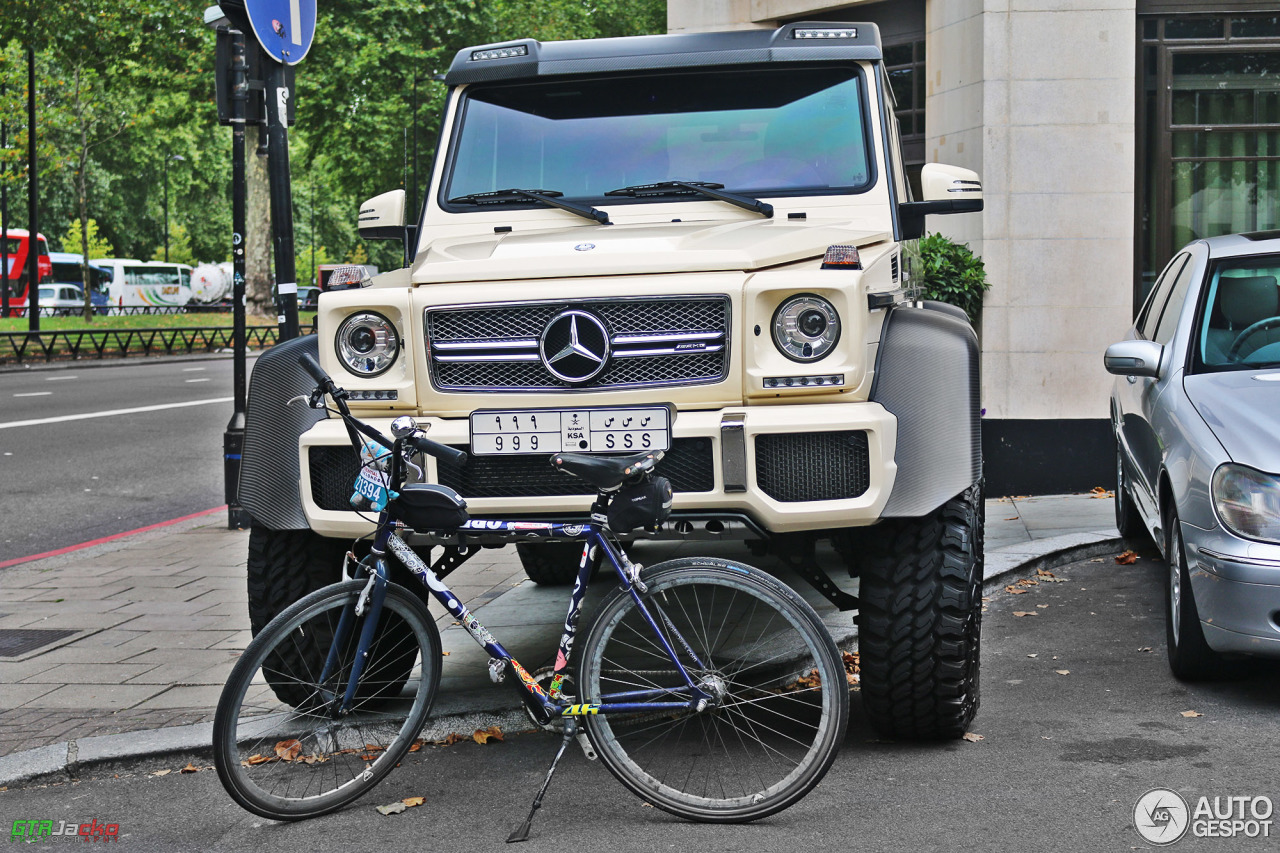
301 759
782 697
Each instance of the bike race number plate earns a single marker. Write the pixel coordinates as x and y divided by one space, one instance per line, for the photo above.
578 430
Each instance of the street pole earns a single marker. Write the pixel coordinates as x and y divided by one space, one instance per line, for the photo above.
4 226
233 438
277 103
33 226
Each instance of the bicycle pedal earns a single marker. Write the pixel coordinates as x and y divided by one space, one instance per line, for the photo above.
587 749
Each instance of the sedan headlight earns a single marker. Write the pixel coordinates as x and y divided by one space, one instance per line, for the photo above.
1247 501
806 327
367 343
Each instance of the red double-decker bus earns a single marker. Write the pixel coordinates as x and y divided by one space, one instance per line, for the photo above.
15 278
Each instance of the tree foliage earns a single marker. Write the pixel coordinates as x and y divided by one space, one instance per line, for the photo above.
99 246
953 274
366 102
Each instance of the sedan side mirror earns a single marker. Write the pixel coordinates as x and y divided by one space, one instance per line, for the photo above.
1134 358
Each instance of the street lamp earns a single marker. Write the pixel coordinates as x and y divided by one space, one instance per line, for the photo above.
166 202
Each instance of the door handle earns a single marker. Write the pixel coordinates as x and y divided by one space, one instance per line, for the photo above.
1132 379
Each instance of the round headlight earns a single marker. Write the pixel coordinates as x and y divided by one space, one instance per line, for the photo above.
806 327
367 343
1247 502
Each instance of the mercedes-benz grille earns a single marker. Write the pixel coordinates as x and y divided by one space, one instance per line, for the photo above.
553 346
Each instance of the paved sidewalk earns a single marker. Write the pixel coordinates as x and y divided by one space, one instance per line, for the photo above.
152 623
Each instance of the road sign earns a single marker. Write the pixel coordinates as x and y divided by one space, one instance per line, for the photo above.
284 28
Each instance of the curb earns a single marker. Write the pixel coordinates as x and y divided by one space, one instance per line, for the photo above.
466 711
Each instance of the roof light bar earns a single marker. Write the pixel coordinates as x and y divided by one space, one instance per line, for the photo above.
829 33
500 52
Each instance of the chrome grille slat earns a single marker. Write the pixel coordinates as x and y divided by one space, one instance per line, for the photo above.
494 347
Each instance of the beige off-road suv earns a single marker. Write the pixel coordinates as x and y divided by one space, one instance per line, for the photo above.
697 243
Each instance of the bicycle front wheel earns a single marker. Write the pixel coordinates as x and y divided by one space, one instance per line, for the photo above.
304 758
780 695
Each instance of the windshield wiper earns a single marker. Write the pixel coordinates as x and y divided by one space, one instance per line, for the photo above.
705 188
551 198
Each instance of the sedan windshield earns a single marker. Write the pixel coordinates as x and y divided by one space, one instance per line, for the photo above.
1240 322
762 131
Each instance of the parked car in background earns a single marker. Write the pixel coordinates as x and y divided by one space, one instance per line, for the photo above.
308 297
68 269
1196 414
61 299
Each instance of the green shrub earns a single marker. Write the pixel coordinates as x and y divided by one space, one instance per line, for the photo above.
950 273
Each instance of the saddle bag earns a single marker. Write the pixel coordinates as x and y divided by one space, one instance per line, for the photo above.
429 506
643 504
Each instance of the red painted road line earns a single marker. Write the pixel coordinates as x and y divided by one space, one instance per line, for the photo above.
111 538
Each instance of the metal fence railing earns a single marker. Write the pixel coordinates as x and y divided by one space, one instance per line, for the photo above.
122 311
21 347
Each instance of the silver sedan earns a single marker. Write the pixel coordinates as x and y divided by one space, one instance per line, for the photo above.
1196 414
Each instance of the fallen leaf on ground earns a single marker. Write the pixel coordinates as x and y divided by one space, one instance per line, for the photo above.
1145 649
1042 605
416 745
1027 582
391 808
1013 590
446 654
254 760
852 668
1101 492
486 735
410 802
985 598
973 737
450 739
1049 577
1063 671
1192 714
287 750
1025 613
1033 656
162 773
190 768
1013 518
1128 558
1096 560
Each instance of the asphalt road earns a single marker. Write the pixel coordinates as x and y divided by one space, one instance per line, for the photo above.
79 472
1063 760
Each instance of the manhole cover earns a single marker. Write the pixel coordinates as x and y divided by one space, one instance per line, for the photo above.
19 641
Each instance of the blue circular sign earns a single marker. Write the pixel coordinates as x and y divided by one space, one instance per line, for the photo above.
284 28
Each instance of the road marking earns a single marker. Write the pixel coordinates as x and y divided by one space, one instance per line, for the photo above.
111 412
59 378
192 369
111 538
206 379
34 394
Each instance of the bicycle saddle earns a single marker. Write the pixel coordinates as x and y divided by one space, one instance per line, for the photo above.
606 473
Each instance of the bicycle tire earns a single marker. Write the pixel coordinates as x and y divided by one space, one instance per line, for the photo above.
783 693
289 763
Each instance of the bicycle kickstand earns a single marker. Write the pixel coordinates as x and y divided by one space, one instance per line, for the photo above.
522 831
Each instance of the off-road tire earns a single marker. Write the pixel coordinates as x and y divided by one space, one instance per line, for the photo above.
920 619
550 563
284 566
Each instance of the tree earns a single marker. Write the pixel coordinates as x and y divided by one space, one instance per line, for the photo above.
76 238
179 247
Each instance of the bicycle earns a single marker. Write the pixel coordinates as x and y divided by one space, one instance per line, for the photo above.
707 687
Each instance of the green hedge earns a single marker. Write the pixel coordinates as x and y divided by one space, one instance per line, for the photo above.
952 274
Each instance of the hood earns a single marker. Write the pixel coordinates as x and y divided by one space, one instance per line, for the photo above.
1243 410
665 247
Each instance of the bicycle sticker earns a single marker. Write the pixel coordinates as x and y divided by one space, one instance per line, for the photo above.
372 483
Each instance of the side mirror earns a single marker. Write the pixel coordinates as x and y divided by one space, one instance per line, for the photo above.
1134 358
382 217
946 189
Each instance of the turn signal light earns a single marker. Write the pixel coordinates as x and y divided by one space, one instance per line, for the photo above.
842 258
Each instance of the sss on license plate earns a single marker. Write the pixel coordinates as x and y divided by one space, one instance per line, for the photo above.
577 430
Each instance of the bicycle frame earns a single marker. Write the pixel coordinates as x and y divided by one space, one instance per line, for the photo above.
544 704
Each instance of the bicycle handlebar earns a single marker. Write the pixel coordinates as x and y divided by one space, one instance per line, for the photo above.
420 443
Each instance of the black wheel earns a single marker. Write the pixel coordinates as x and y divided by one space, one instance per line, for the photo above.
1128 522
919 624
283 567
780 694
550 563
292 760
1190 657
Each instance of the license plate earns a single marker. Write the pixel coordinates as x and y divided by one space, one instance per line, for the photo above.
577 430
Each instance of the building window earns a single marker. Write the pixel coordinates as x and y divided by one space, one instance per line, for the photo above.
1209 132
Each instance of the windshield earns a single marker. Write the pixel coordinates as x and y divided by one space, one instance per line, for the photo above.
1240 322
763 130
